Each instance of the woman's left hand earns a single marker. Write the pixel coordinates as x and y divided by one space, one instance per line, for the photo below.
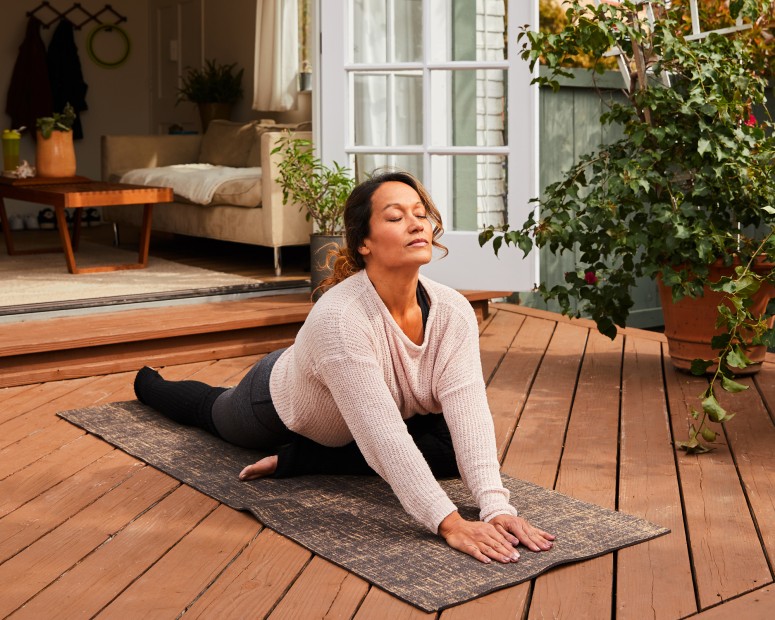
517 530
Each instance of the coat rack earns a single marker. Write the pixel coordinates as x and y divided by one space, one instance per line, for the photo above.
79 10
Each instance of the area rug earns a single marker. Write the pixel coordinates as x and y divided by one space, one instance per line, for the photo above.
356 522
39 282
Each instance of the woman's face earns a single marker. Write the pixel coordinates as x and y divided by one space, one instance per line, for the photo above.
400 234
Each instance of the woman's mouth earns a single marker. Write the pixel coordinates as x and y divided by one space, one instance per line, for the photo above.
418 243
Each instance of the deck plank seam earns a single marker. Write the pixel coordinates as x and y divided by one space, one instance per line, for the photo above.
770 407
687 534
748 503
117 484
618 480
76 563
570 409
220 573
507 444
292 582
157 560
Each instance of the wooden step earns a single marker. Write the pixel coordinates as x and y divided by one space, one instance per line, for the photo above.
97 344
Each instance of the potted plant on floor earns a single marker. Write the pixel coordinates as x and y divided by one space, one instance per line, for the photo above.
685 196
215 89
320 190
54 150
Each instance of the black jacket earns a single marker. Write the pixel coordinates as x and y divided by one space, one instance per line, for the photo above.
29 94
64 71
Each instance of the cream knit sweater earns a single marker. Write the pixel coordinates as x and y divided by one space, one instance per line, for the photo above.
353 374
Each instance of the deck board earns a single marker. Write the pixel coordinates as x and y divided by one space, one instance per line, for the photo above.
59 551
727 555
253 584
190 567
508 390
70 505
751 437
589 475
323 590
535 451
95 581
654 579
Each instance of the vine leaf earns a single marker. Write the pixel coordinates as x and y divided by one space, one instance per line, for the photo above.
732 386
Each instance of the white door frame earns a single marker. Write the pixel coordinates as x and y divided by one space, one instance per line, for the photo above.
468 266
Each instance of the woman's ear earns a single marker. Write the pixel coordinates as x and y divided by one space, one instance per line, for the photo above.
363 250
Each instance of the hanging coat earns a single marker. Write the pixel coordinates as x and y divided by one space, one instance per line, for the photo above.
29 94
64 72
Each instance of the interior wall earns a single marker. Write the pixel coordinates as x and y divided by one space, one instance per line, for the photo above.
117 98
120 99
229 36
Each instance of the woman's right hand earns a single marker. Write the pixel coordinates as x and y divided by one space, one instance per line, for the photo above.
478 539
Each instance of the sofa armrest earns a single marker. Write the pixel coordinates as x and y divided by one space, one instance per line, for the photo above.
122 153
284 224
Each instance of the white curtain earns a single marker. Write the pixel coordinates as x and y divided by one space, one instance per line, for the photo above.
276 65
388 105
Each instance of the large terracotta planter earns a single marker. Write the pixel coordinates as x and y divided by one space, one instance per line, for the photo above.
320 246
55 156
690 324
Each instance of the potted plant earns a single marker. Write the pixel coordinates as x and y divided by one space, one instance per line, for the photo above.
320 190
54 150
685 196
215 88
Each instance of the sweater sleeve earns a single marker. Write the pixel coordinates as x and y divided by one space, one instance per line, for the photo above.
371 414
461 392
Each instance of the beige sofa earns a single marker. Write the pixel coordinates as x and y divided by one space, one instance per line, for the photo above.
258 217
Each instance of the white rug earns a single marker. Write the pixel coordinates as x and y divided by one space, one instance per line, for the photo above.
36 279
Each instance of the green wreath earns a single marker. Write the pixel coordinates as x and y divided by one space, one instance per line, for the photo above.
105 64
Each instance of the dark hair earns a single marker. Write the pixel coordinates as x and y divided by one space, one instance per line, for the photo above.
357 214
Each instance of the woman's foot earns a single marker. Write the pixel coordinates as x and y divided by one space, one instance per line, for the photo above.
260 469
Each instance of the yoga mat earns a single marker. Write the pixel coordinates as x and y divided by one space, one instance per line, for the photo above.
357 522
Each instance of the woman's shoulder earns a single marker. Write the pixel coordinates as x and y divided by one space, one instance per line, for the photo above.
344 301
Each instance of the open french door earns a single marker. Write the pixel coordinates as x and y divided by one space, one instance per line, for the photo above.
436 87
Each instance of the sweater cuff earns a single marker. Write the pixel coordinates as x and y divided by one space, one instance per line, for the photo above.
506 510
439 514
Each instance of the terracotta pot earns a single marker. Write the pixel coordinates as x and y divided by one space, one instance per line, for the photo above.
55 156
690 324
211 111
319 247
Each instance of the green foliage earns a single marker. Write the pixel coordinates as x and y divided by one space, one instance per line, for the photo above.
691 175
56 122
305 180
213 83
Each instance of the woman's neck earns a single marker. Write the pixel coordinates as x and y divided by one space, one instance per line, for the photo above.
397 290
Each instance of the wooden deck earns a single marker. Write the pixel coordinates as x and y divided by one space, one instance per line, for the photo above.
86 530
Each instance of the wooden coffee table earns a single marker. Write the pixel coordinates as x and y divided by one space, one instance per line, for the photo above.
77 193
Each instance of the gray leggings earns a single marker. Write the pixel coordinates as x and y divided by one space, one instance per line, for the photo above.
245 416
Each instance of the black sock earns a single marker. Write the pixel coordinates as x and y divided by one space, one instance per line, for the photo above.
185 402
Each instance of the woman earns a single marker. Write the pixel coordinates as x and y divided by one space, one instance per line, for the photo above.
380 351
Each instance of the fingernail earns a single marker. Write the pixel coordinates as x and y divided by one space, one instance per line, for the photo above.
515 557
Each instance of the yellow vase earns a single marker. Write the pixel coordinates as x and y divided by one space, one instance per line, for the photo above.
55 156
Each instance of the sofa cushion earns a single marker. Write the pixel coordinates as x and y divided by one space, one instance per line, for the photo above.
238 193
227 144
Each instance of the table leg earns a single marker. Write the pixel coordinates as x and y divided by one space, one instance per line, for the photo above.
6 228
145 235
64 237
142 256
76 234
